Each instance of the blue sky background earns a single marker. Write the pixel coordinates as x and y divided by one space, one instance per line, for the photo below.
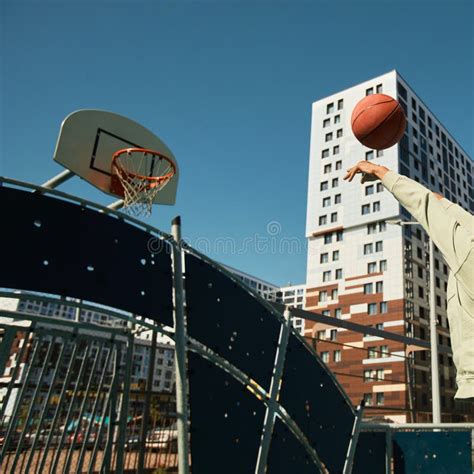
228 86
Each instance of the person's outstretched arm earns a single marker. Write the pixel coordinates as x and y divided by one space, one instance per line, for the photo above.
454 240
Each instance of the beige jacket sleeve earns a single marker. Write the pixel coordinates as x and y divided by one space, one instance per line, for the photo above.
450 227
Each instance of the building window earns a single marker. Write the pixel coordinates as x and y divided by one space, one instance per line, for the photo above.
372 308
379 88
383 265
367 375
379 187
339 235
382 226
335 182
379 287
330 108
324 258
326 312
376 206
337 199
372 352
379 153
326 202
384 351
338 165
337 118
327 169
323 296
369 190
338 273
327 238
379 246
372 267
328 137
325 153
338 313
335 255
340 104
325 356
321 335
324 186
368 288
421 292
335 150
365 209
326 276
371 228
337 356
333 334
326 123
369 155
339 133
369 91
334 294
368 249
334 217
323 220
379 398
368 399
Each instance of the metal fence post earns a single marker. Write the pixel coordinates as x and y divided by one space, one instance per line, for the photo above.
269 421
180 349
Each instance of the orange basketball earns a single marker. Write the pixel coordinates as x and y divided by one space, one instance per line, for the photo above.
378 121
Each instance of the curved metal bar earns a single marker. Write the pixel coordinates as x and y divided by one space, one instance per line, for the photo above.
267 305
259 392
85 202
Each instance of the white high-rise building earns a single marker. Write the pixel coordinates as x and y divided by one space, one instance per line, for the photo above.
362 269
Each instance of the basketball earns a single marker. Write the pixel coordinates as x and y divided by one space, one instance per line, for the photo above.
378 121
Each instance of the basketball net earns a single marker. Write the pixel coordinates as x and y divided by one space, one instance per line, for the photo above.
141 174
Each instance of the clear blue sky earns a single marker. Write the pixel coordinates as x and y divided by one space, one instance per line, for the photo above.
229 87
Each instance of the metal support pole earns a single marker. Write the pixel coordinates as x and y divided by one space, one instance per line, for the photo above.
388 451
115 206
269 421
57 180
146 408
180 349
351 449
436 406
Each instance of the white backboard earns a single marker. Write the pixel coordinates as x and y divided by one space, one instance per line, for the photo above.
89 138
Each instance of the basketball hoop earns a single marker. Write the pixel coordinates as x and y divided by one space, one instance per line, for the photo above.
139 174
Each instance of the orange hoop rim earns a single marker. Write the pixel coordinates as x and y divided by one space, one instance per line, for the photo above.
154 180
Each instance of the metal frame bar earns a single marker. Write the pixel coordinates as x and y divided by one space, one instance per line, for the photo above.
269 420
388 452
102 423
96 359
146 408
19 400
351 449
84 202
71 405
180 349
59 405
59 179
33 402
94 408
46 402
259 392
124 406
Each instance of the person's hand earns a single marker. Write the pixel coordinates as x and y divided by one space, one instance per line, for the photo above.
370 171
